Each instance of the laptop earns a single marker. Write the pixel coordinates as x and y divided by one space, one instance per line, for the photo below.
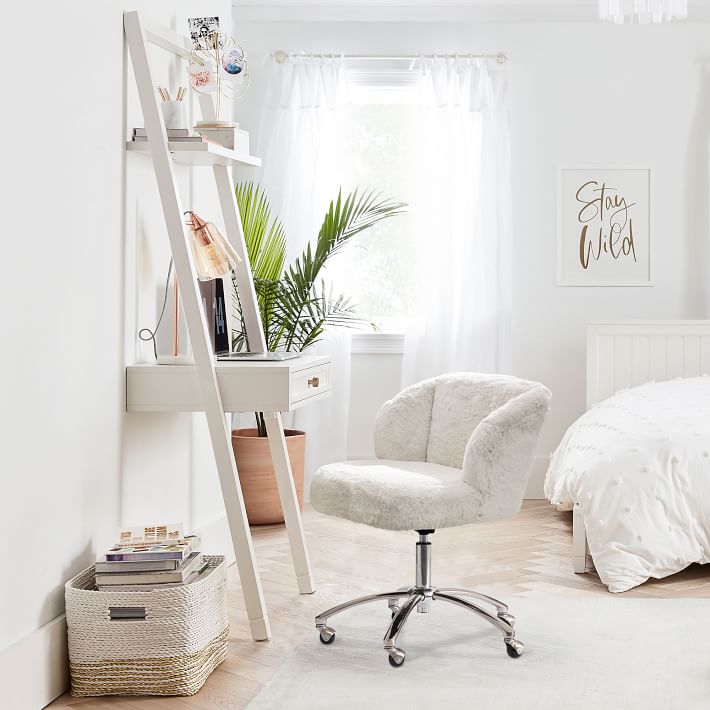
214 304
265 357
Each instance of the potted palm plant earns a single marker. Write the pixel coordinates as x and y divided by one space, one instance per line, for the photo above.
296 306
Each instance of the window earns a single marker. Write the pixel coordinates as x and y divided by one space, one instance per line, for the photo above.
376 143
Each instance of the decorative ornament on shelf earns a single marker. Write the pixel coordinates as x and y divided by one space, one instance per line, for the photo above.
642 11
217 64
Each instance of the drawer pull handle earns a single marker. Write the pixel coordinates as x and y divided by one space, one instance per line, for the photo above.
314 382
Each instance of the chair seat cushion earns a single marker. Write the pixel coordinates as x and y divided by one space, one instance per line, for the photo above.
395 495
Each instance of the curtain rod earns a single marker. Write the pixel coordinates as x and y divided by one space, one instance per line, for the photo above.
280 57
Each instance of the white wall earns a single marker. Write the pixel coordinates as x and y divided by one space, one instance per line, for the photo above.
81 222
375 377
582 92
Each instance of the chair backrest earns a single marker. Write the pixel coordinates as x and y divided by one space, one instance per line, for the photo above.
434 420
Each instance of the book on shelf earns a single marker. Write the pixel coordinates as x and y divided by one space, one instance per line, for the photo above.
171 139
172 133
136 566
150 557
175 135
153 552
200 573
191 565
233 138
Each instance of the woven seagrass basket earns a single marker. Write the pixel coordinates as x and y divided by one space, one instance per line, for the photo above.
182 639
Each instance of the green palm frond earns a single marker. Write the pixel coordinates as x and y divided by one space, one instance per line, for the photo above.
264 236
295 307
343 220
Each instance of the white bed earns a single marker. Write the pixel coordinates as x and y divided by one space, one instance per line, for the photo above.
635 468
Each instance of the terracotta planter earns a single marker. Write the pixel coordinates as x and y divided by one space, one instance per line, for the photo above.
256 473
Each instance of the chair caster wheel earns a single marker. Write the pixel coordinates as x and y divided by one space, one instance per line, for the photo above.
327 635
396 657
508 618
514 648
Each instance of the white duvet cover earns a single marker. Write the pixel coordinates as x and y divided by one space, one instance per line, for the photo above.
639 465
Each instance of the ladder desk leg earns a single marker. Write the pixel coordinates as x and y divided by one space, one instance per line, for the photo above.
197 329
240 532
289 502
257 341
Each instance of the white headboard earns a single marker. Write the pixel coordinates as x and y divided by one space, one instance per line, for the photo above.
624 354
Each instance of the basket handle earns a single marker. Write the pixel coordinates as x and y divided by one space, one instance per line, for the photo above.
126 613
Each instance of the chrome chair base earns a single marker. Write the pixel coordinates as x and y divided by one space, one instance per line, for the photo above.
403 601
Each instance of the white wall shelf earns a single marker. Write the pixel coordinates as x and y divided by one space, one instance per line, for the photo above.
196 154
245 386
216 388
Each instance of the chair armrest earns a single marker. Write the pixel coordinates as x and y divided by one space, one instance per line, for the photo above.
402 424
499 454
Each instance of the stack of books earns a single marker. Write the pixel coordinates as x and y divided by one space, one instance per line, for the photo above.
150 557
175 135
231 137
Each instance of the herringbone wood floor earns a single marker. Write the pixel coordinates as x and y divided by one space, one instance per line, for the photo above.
528 554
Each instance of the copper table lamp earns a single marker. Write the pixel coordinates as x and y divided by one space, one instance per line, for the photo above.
214 257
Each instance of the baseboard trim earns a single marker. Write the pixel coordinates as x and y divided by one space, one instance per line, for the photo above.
35 670
536 482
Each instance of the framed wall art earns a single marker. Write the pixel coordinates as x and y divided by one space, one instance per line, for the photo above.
604 226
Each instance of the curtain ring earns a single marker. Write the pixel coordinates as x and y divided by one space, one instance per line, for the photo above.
422 63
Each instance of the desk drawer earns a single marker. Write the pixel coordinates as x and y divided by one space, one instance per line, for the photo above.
249 386
310 382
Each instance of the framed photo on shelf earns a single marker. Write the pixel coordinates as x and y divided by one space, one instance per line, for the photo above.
604 225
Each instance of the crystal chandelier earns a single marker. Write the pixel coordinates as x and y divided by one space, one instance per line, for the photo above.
642 11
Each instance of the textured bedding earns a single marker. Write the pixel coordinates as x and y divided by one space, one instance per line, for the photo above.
638 463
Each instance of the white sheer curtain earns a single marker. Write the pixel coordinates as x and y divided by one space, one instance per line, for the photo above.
462 215
296 139
461 210
296 142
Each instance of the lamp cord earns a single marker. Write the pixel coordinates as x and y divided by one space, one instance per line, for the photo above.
152 333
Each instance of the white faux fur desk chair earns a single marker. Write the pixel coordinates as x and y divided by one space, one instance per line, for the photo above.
453 450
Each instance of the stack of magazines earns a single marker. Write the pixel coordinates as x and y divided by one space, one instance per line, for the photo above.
150 557
175 135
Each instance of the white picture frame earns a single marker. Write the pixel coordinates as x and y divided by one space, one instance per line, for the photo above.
615 205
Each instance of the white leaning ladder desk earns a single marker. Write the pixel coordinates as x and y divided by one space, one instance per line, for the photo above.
230 386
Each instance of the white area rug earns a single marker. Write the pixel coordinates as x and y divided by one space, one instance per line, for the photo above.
606 653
